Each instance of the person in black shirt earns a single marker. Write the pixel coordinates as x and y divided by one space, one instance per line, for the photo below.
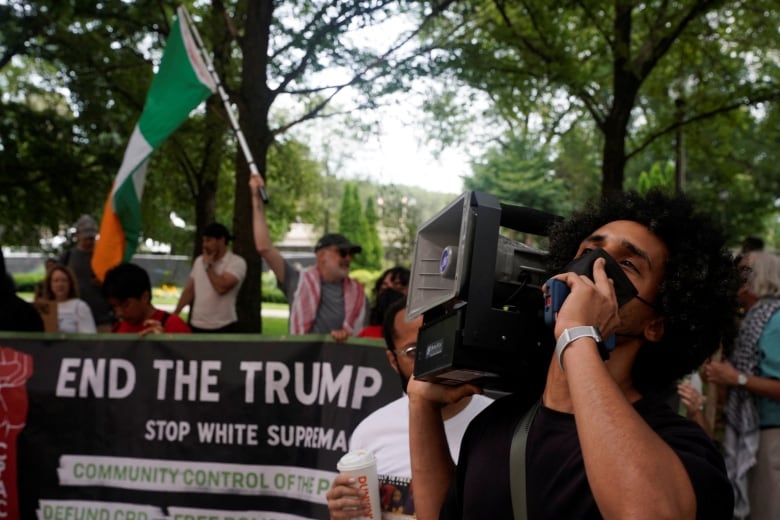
602 444
15 313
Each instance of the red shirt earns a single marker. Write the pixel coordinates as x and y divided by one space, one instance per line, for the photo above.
171 323
371 331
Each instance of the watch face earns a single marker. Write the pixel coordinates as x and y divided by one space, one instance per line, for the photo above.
741 379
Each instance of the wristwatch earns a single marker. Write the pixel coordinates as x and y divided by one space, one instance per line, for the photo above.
741 379
575 333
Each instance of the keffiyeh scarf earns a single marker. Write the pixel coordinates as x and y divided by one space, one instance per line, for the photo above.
740 443
307 300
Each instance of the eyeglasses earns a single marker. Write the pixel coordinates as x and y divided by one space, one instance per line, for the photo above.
409 352
343 252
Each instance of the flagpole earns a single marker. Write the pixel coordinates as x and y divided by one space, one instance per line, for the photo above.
253 170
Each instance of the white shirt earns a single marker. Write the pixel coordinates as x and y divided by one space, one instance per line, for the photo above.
74 315
212 310
385 433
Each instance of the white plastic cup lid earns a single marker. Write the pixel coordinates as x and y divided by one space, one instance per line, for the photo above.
356 460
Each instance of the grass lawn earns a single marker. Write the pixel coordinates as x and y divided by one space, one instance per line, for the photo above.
274 326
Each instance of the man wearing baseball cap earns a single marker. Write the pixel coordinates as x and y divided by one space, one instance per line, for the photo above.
79 259
323 299
215 280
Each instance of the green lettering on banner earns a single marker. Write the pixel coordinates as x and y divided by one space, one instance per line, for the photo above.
323 485
94 510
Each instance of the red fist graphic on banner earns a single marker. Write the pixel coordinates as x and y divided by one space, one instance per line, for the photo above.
15 369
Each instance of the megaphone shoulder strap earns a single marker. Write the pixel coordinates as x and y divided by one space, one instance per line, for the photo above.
517 482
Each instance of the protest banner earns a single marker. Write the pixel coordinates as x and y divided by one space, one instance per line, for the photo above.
180 427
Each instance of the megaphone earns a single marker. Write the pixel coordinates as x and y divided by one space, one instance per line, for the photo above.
480 295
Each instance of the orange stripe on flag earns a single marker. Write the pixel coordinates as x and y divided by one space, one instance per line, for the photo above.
110 246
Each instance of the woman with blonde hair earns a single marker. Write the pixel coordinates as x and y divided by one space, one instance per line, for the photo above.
73 313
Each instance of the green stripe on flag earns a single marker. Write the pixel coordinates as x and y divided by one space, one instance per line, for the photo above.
181 83
175 91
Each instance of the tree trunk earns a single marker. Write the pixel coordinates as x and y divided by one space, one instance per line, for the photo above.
614 157
253 105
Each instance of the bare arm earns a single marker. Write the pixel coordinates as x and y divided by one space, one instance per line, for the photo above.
432 465
621 453
186 296
724 373
763 386
222 283
694 406
263 244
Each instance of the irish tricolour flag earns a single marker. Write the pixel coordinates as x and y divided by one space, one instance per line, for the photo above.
182 82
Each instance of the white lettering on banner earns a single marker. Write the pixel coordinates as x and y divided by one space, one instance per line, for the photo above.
195 477
324 388
196 381
307 437
91 375
208 432
159 430
188 513
227 433
196 378
93 510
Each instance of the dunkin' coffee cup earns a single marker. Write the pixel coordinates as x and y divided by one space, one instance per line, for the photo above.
361 465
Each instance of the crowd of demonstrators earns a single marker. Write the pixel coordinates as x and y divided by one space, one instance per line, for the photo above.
215 279
601 442
73 313
323 299
600 429
129 292
79 259
751 441
385 432
15 314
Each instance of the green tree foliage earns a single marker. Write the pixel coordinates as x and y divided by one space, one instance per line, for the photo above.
660 176
400 214
373 251
518 172
349 213
58 150
92 64
353 225
620 66
286 48
297 175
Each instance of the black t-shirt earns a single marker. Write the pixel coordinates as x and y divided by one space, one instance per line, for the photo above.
557 486
18 315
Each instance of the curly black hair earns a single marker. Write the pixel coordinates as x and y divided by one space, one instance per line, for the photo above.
697 296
